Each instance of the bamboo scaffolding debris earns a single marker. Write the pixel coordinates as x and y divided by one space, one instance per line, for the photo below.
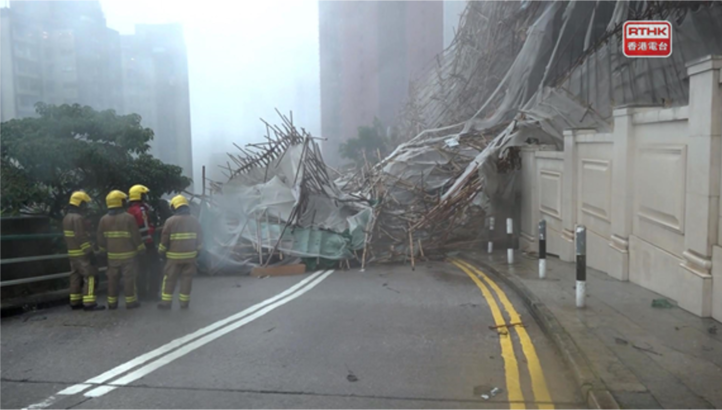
291 157
463 125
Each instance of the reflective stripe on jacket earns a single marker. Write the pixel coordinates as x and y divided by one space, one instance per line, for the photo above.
76 238
182 237
118 235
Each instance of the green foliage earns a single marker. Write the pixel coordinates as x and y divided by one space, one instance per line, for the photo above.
69 147
371 141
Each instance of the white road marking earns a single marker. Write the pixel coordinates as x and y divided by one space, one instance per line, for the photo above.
131 377
74 389
127 366
110 374
45 403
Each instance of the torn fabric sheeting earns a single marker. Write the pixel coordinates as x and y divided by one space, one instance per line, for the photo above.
523 73
282 191
516 73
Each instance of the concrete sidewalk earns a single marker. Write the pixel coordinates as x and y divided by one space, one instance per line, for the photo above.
645 357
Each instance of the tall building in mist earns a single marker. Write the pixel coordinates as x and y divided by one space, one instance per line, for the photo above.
155 80
62 52
369 52
58 52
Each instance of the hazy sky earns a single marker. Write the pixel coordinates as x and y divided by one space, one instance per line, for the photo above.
244 59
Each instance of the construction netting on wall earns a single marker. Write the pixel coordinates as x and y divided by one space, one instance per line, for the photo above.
517 73
279 205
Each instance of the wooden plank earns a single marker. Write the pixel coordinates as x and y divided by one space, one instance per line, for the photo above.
284 270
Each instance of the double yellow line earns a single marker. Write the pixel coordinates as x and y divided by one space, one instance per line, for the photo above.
511 369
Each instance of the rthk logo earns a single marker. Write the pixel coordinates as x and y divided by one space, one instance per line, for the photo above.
647 39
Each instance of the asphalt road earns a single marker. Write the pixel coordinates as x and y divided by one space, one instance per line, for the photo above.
385 338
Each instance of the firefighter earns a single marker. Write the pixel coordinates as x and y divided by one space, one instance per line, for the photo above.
181 240
118 235
149 280
83 265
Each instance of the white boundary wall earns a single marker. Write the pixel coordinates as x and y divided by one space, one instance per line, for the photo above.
648 193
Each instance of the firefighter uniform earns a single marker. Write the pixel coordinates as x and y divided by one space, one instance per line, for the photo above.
149 266
181 240
118 235
83 271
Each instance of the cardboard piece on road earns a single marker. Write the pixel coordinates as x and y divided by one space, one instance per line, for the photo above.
284 270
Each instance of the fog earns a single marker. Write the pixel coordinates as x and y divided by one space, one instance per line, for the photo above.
244 60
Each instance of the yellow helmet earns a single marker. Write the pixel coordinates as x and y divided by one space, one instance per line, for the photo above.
178 201
78 197
115 199
136 192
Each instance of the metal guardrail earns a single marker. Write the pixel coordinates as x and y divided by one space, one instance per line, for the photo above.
33 258
35 279
31 237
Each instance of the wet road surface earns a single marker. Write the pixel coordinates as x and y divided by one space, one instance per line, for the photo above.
388 337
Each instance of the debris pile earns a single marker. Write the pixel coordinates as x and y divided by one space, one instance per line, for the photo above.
517 73
278 205
414 215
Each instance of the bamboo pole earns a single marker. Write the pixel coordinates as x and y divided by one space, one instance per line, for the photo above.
280 253
260 244
411 248
268 233
204 181
366 240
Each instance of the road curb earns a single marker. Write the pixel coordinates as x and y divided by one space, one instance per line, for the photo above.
593 389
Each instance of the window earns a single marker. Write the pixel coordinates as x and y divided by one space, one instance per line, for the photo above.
27 67
28 84
26 101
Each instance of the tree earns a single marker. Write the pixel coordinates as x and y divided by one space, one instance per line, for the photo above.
69 147
370 141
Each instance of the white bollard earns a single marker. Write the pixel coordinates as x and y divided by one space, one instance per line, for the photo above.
581 242
581 292
542 249
490 245
510 234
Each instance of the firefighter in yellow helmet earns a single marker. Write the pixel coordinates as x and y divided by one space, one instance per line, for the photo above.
118 235
82 258
148 264
180 243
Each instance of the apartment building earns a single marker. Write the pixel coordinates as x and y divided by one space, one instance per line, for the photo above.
62 52
369 52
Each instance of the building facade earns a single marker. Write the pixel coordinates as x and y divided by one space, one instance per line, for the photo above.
155 79
647 192
58 52
62 52
369 52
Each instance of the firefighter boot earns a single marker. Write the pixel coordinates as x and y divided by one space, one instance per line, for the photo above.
185 300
